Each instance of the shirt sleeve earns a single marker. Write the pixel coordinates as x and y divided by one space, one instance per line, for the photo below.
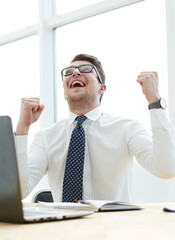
32 164
155 153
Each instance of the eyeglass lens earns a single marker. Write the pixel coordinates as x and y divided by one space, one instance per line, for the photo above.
83 69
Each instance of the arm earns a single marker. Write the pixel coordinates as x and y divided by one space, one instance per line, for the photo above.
32 164
31 168
156 154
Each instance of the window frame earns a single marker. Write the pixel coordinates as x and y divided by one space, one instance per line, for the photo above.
48 21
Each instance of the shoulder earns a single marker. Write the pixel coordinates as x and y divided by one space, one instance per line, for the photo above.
123 124
109 118
53 130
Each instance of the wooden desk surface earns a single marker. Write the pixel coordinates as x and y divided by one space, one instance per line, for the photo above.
147 224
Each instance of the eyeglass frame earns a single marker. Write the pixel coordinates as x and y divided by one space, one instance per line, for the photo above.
93 66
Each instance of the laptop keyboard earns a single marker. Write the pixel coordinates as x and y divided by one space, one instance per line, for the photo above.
35 211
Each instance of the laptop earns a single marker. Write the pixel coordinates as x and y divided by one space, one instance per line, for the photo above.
11 207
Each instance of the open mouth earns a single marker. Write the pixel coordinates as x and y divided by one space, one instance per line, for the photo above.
77 83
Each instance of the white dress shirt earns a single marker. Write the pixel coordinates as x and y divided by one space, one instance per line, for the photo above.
111 143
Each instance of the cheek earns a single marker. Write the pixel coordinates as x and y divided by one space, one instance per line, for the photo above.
65 89
65 84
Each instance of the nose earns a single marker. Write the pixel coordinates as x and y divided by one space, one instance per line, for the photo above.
76 72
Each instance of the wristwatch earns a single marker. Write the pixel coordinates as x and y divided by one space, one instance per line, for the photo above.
160 104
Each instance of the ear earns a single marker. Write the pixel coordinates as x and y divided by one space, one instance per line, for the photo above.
102 88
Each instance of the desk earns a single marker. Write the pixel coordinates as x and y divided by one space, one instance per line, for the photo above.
148 224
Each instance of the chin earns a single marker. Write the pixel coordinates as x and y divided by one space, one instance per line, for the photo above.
76 97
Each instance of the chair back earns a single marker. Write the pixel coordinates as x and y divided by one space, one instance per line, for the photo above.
42 196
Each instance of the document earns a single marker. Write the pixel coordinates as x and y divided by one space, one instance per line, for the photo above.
93 205
103 205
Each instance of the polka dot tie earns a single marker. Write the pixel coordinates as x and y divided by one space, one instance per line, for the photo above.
73 176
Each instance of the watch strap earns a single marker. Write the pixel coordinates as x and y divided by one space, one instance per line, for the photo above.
160 104
154 105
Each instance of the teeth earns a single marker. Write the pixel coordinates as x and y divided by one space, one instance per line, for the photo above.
77 82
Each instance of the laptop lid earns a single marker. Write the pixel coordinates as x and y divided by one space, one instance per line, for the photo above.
10 196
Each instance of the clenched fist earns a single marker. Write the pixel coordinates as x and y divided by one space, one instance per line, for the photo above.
31 109
149 83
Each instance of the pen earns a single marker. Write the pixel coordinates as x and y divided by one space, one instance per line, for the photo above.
86 202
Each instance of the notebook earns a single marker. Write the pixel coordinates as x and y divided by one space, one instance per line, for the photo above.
11 207
93 205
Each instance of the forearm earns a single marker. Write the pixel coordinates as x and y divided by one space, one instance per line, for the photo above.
163 137
32 166
21 153
155 153
21 130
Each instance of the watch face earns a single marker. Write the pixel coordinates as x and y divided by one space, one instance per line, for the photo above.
162 103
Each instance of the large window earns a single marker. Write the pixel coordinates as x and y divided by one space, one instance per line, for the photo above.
65 6
126 41
39 38
19 76
17 14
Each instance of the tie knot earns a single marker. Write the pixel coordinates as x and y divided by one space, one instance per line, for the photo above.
80 119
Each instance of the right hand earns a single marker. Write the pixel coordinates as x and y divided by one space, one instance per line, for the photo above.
31 109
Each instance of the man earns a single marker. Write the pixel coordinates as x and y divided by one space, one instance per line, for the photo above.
110 142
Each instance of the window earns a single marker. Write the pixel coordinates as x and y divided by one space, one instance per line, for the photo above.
17 14
126 41
65 6
19 76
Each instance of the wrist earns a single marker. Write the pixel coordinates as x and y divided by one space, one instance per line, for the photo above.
154 99
21 130
158 104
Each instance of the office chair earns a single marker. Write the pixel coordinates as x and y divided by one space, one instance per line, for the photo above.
43 196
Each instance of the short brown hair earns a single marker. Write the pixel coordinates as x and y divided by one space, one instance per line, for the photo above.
93 60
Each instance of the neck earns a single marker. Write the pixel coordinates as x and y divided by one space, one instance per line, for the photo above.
80 108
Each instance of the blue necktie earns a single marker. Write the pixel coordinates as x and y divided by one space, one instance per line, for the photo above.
73 176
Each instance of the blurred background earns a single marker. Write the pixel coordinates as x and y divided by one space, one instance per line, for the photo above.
39 37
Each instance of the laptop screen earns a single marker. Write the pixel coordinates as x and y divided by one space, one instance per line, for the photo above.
10 197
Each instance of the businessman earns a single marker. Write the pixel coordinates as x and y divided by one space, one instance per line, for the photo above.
90 154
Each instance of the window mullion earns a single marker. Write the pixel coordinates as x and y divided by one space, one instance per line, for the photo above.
170 14
170 8
46 47
18 35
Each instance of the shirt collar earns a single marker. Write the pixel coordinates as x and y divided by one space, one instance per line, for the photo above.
93 115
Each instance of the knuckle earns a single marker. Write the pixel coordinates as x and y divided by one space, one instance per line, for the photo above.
155 74
148 77
24 101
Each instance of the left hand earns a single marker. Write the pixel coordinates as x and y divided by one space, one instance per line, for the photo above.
149 83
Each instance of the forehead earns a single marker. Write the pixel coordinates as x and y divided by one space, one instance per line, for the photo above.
78 63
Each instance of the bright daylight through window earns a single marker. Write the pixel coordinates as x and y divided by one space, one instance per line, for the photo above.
126 40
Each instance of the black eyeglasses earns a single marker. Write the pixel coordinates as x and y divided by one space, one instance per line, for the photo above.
85 68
